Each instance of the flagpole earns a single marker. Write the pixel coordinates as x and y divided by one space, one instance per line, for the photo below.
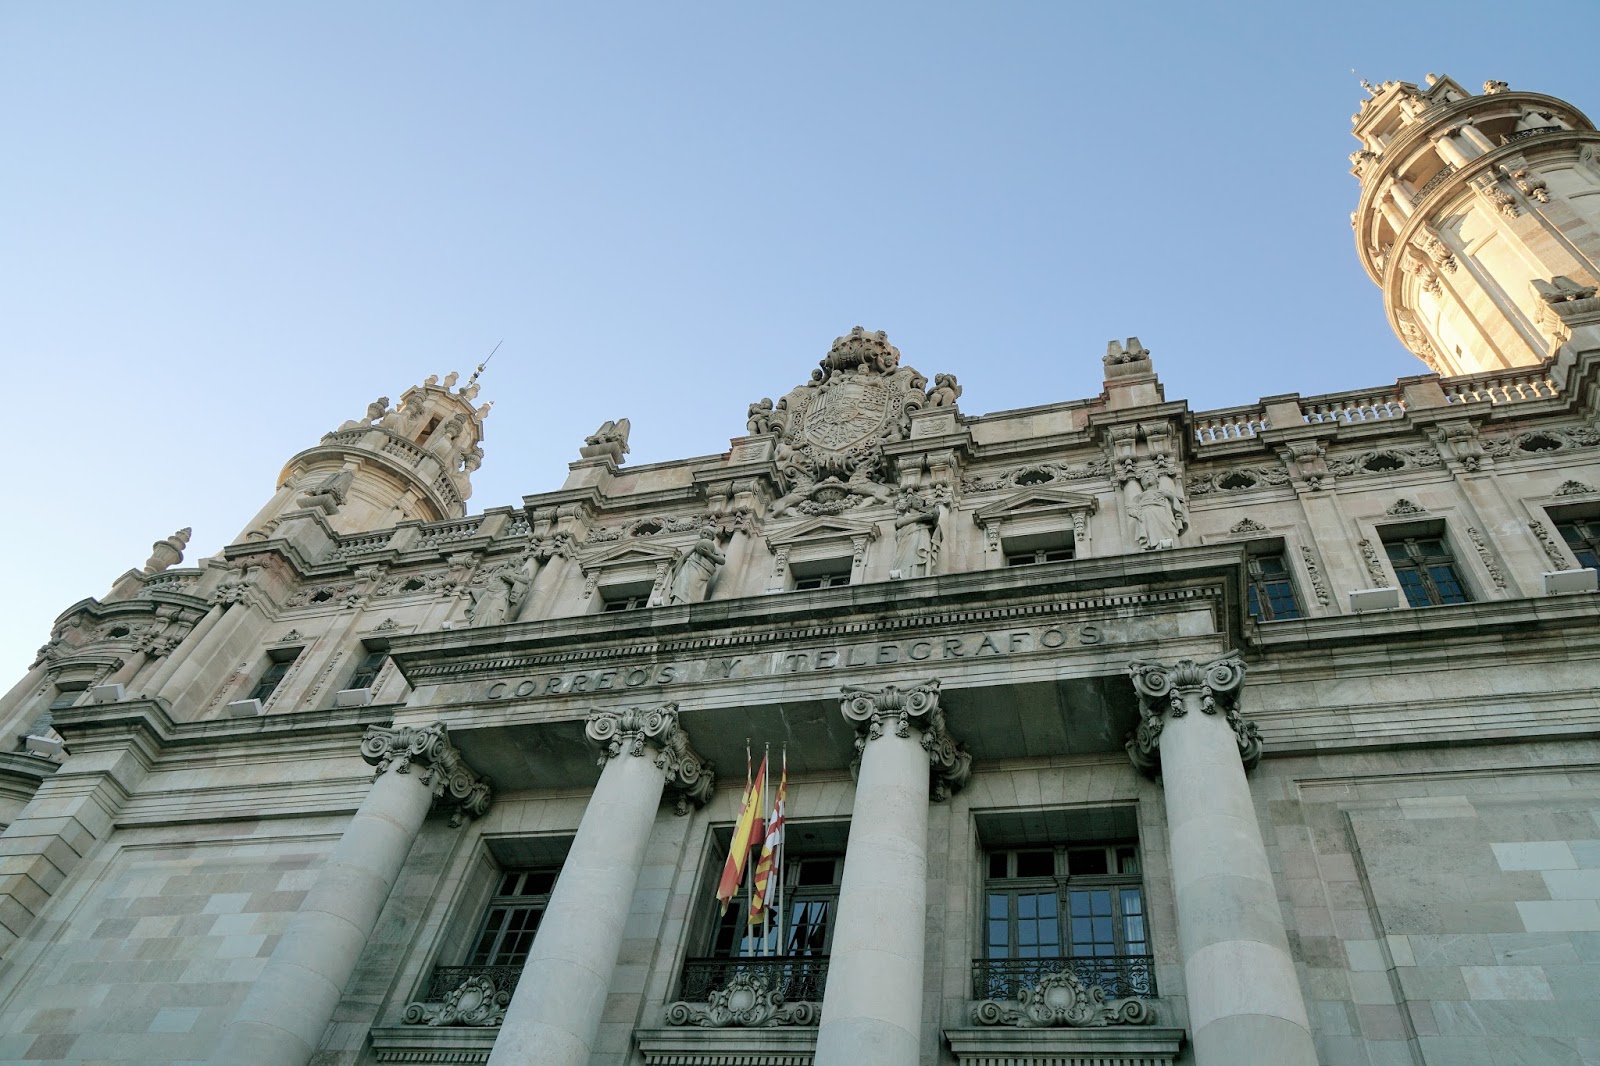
744 934
765 947
783 838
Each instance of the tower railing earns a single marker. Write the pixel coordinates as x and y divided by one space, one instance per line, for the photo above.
1530 383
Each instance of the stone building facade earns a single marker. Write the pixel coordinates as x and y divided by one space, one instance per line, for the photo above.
1116 732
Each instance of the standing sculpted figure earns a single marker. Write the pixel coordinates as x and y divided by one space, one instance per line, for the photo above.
1158 513
693 579
916 532
498 599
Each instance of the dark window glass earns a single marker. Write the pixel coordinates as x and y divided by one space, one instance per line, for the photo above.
1583 537
513 918
810 899
1271 589
273 676
1426 571
65 698
1096 909
822 581
625 603
366 671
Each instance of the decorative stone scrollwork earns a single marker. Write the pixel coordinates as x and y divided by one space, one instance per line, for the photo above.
1573 488
1402 507
1061 999
1495 573
748 1001
444 770
1217 684
872 708
1247 525
1369 555
1549 545
474 1001
1315 572
632 730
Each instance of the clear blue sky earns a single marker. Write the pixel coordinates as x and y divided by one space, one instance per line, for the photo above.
224 228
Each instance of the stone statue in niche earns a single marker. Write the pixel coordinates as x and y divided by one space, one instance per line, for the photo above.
945 391
916 535
693 579
499 599
1159 514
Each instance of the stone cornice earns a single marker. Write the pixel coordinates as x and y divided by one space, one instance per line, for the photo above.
147 723
1166 690
445 771
641 731
1181 577
872 709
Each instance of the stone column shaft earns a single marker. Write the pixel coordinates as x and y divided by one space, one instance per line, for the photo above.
1245 1004
554 1015
282 1019
872 1006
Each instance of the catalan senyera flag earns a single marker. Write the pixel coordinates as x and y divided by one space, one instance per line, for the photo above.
743 833
766 885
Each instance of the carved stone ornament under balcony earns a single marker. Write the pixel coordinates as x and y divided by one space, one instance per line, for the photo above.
1061 999
873 708
750 1000
474 1001
444 771
832 430
1161 689
638 730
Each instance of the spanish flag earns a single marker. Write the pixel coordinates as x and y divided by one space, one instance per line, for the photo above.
743 835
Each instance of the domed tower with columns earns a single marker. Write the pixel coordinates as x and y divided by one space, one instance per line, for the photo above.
1478 218
413 461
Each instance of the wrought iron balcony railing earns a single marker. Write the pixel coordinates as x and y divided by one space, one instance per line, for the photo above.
799 977
1434 182
447 978
1521 134
1119 976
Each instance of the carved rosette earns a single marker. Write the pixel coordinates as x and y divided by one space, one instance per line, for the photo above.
641 731
444 771
871 709
1061 999
750 1001
474 1001
1164 690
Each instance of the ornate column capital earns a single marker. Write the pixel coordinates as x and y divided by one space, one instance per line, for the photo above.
870 708
629 730
1171 689
444 769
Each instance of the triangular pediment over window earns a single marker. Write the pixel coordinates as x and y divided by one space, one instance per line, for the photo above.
1036 503
821 530
622 556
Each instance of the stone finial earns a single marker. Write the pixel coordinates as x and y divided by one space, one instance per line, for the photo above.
1215 683
610 441
169 552
631 730
1116 353
1561 289
870 709
444 769
1491 87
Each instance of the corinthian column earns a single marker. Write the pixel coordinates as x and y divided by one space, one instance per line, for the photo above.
554 1015
1244 996
872 1006
283 1017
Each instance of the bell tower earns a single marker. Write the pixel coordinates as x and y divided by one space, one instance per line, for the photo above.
1479 213
412 461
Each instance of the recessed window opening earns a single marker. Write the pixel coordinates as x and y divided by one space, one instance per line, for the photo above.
1426 569
277 669
821 573
1269 590
1031 549
512 918
367 668
427 431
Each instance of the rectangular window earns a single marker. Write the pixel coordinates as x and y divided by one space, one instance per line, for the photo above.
811 900
1270 591
512 918
625 603
66 696
1426 571
1583 538
832 579
366 671
277 669
1080 908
